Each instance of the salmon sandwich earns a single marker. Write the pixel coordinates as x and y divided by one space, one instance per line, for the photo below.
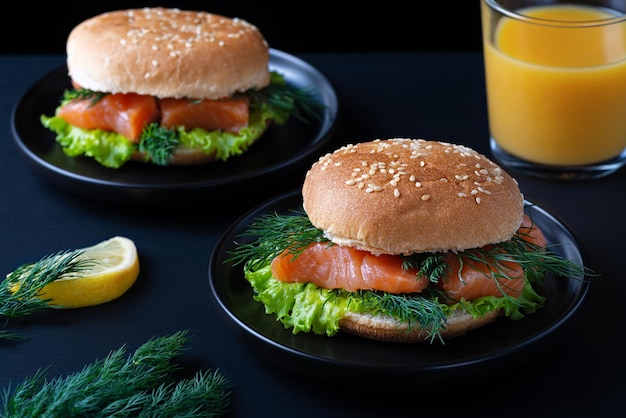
400 240
169 87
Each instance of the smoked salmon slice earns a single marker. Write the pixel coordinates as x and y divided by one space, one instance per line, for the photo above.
531 233
227 115
339 267
126 114
334 267
474 279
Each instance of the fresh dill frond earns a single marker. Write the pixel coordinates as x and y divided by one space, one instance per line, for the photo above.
141 385
20 289
535 260
158 143
431 265
203 395
275 233
408 309
9 336
285 100
82 94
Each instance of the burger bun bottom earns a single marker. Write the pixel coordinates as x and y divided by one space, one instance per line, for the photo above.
387 329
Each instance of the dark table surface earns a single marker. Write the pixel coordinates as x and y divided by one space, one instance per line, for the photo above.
429 95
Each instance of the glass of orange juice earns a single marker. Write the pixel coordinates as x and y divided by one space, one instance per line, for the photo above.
555 74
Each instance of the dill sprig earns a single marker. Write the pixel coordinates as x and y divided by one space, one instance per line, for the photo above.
414 309
19 291
140 385
158 143
274 234
82 94
286 100
431 265
535 260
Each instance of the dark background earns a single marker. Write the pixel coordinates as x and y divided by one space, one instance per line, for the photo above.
292 26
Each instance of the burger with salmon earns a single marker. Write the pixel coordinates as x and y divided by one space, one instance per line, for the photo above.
400 240
170 87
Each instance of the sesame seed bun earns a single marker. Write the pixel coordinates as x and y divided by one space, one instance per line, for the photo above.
402 196
168 53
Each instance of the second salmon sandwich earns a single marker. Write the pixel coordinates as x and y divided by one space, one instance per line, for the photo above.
400 240
169 87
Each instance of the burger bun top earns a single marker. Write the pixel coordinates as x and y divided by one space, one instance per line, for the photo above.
168 53
404 196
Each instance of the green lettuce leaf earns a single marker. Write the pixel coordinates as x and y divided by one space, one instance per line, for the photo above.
108 148
113 150
305 307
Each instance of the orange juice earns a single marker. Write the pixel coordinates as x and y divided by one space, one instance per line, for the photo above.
557 91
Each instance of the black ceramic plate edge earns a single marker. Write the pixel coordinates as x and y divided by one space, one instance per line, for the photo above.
284 149
486 349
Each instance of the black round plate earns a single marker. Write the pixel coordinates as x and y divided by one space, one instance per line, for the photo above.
484 349
283 149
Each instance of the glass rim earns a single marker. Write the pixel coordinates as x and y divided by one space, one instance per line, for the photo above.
495 5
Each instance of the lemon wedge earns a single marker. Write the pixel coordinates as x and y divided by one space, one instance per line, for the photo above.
114 269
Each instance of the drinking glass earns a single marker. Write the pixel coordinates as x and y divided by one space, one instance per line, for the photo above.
555 74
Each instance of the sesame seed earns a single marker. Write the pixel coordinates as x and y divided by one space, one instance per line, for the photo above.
382 168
